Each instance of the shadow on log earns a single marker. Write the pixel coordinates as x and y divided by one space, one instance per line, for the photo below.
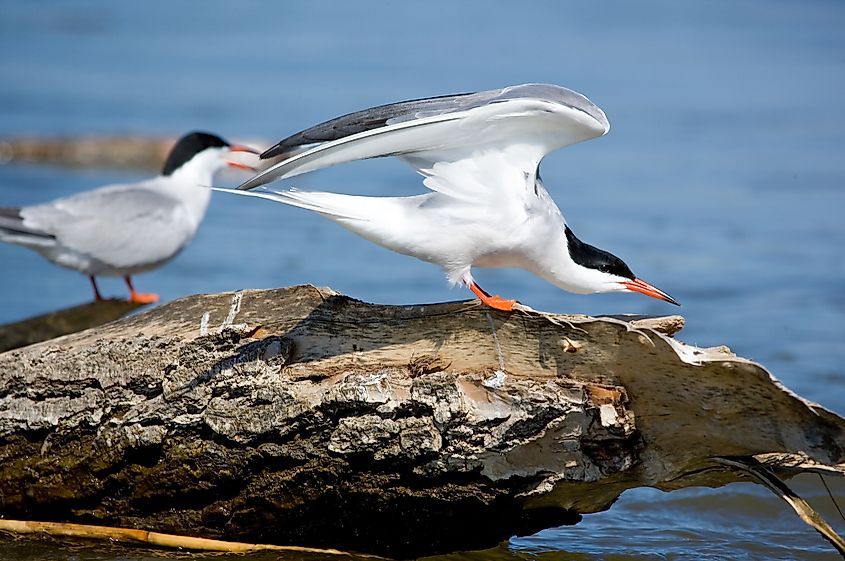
55 324
300 416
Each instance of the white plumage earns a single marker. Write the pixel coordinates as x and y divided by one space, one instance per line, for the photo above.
479 155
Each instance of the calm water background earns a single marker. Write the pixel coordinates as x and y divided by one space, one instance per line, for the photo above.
720 182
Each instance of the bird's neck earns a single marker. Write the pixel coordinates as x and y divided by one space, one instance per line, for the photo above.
569 264
557 267
192 186
551 260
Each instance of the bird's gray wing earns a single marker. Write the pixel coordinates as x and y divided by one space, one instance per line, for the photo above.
14 230
449 128
373 118
121 225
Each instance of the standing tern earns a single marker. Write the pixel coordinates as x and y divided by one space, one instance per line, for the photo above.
122 230
479 154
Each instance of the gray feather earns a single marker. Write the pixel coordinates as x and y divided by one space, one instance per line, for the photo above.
11 223
376 117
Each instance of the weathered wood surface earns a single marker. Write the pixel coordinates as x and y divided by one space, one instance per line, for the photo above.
298 416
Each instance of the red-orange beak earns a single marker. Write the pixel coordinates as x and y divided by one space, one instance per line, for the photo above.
641 286
243 148
241 165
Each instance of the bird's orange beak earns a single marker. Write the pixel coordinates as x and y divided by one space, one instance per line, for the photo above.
243 148
240 165
641 286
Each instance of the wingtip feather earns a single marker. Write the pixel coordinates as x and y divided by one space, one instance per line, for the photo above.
272 152
252 183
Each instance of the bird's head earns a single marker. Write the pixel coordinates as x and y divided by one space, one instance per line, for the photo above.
206 152
601 271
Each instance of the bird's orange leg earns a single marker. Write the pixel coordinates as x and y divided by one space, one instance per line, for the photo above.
97 296
495 302
139 298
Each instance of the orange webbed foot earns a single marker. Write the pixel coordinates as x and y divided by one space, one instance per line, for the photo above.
499 303
139 297
495 302
143 298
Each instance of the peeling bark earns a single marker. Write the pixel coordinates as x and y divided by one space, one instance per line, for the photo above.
299 416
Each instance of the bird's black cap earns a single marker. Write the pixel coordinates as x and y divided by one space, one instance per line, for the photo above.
189 146
594 258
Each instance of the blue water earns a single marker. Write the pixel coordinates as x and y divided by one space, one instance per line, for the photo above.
722 180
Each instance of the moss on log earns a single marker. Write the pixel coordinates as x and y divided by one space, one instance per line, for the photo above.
300 416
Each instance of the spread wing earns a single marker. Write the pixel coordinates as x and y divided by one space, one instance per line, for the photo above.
461 143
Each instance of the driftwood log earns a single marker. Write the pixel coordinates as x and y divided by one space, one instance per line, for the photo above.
133 152
70 320
85 151
300 416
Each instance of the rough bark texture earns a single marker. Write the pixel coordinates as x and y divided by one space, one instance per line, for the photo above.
299 416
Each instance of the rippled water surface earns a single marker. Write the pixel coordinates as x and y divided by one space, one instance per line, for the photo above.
721 182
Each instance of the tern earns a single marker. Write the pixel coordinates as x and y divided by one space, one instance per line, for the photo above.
479 154
126 229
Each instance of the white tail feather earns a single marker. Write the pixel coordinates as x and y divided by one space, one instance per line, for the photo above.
332 205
